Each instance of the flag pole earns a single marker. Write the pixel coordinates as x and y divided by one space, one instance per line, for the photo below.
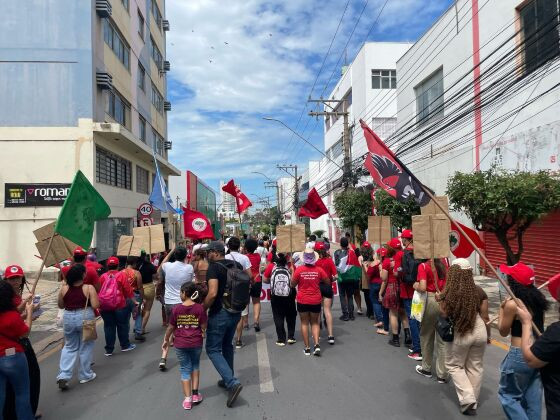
42 264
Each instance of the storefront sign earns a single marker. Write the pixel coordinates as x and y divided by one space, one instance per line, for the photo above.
35 195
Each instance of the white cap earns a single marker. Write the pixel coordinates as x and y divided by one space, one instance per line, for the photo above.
463 263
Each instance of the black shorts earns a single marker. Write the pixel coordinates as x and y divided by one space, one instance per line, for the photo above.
326 290
302 307
256 289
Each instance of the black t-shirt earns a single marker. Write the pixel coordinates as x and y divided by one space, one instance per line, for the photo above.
147 270
547 349
216 270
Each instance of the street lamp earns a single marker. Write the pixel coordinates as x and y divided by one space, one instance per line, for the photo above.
260 173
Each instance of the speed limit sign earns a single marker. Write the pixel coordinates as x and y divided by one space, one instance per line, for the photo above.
146 209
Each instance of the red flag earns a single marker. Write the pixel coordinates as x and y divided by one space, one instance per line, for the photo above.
196 225
314 206
389 173
460 247
242 201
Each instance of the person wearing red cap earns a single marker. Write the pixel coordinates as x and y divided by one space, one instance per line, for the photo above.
115 290
326 263
372 269
520 390
408 274
543 352
80 257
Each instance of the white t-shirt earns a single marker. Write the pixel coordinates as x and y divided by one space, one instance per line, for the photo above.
240 258
261 250
176 273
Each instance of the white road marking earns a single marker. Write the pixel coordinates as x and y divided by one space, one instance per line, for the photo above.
265 375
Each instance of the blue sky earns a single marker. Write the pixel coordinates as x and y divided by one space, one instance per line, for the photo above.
237 61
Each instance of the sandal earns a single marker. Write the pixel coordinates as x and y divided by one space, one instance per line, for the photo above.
162 364
382 331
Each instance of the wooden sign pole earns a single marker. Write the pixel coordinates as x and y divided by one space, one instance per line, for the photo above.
42 265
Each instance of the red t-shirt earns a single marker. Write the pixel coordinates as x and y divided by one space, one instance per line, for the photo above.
373 274
124 285
386 265
12 328
307 279
188 322
255 265
425 273
327 264
91 275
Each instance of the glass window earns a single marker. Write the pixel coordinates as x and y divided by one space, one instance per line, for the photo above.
429 98
125 4
157 99
141 77
142 177
141 25
142 130
158 143
112 169
156 14
117 43
108 233
156 54
384 127
118 108
383 79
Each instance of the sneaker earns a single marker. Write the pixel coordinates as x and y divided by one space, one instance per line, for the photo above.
307 351
197 398
317 350
187 403
415 356
469 409
344 318
410 350
139 337
162 364
441 380
394 342
359 311
238 344
257 327
108 354
423 372
291 341
351 317
222 384
330 339
62 384
130 347
280 343
85 381
233 394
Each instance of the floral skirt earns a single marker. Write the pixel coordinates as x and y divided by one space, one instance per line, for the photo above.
391 299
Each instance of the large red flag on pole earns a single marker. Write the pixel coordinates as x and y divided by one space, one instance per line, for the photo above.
314 206
196 225
460 246
242 201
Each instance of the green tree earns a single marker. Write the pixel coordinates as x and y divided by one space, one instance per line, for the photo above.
353 207
400 213
505 203
319 233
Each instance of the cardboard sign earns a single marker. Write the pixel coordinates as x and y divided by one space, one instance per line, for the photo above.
290 238
379 229
61 248
431 207
431 236
129 246
151 238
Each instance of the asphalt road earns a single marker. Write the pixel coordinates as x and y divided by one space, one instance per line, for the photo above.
360 377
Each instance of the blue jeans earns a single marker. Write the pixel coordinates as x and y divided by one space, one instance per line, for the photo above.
14 369
414 327
520 389
219 347
189 361
74 348
116 323
374 297
138 321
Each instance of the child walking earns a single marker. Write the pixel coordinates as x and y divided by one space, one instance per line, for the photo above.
188 324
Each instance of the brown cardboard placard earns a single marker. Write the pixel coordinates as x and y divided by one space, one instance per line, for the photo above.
431 236
44 232
129 246
290 238
61 248
379 229
150 238
431 208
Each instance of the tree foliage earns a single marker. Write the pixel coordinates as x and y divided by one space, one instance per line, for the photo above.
504 202
353 207
400 213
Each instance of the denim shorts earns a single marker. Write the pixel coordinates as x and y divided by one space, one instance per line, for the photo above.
189 361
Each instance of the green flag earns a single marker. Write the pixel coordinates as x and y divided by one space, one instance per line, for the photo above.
83 206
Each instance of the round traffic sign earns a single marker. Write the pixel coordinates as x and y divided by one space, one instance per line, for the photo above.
146 209
146 221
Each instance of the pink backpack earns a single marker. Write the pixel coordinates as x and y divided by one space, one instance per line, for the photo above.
110 295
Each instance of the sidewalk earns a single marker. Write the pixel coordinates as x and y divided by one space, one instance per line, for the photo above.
44 331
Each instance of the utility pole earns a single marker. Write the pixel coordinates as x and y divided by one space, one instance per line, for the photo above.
347 175
287 169
272 184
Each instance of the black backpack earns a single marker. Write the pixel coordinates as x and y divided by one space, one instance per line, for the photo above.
236 293
409 267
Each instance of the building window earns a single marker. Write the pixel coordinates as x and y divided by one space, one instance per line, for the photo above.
383 79
539 20
429 98
156 54
125 4
108 233
141 25
117 43
157 99
142 131
142 177
158 143
156 14
118 108
112 170
384 127
141 77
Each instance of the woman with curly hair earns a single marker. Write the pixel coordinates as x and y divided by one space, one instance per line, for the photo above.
466 304
520 391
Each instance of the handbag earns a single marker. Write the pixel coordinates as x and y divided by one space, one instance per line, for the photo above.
89 326
418 305
445 329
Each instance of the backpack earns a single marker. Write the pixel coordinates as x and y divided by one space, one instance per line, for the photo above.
409 267
280 282
110 296
236 293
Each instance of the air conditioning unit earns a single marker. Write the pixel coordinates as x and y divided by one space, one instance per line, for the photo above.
165 24
167 105
167 145
104 80
166 66
103 8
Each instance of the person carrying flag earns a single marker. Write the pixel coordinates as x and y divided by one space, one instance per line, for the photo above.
349 274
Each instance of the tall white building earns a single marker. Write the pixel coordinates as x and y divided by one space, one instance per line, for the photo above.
228 205
369 85
286 193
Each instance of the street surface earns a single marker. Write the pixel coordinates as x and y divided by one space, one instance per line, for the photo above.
360 377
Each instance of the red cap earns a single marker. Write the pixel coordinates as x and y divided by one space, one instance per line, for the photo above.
394 243
274 242
554 287
113 261
382 251
366 244
13 271
520 273
65 269
319 246
80 252
407 234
